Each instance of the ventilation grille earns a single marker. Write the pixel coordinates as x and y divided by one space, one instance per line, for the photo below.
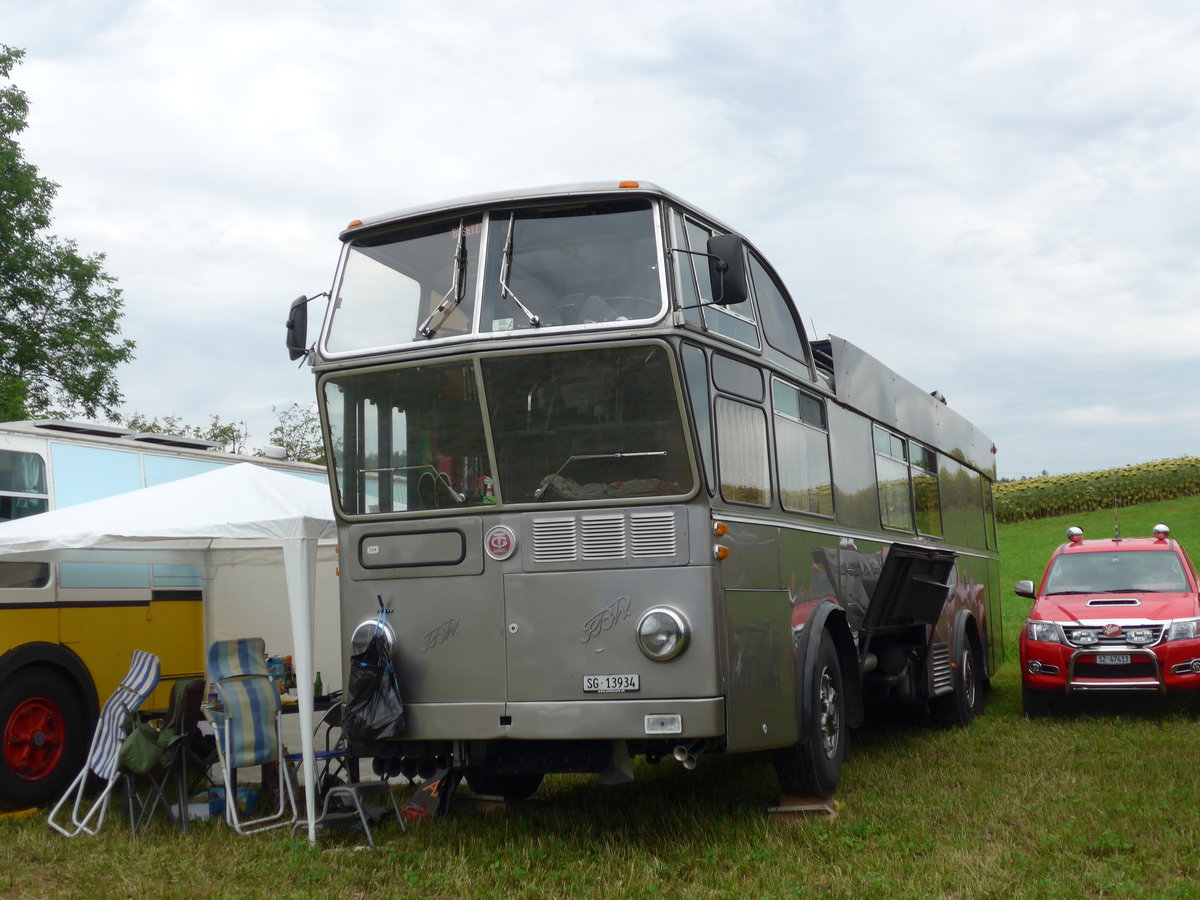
606 536
943 675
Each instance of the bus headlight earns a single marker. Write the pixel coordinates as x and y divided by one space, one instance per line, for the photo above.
662 633
365 631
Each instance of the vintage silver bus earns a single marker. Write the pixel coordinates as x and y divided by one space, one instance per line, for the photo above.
621 506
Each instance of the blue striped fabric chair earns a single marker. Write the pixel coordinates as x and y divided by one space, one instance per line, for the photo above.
248 728
138 684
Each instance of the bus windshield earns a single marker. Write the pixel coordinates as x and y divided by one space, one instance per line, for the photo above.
567 425
573 265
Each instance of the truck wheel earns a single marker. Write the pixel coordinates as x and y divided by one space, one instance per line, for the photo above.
510 787
1037 704
966 701
813 766
44 737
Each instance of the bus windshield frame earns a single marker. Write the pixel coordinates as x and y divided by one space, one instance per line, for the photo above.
563 266
571 424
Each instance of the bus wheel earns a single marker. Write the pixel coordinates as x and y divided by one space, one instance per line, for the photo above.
813 767
43 737
966 701
510 787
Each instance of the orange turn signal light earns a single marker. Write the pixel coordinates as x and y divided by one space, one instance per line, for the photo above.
629 184
720 529
720 551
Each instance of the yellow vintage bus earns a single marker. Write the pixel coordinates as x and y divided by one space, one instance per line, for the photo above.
67 629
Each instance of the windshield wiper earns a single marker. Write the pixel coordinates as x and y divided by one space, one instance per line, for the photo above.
458 286
619 454
506 270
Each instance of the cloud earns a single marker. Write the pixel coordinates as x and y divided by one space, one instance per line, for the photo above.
996 200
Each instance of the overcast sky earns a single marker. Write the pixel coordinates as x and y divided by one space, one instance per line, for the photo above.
999 199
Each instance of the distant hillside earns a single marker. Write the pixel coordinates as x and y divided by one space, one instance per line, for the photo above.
1056 495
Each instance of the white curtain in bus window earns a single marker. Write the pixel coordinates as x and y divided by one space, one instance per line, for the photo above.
891 471
22 485
395 282
802 449
742 453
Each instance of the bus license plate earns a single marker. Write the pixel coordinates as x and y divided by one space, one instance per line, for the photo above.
1113 659
610 684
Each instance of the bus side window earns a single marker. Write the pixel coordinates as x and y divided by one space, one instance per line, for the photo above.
24 574
781 326
22 485
742 453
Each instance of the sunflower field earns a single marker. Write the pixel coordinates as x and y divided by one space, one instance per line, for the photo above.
1055 495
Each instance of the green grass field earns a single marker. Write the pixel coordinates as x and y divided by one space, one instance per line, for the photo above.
1099 803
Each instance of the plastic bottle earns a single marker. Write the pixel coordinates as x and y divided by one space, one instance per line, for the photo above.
318 690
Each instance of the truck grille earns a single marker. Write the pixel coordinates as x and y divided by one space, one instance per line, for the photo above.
1072 632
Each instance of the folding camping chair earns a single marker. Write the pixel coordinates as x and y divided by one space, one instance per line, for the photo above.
138 683
248 728
187 759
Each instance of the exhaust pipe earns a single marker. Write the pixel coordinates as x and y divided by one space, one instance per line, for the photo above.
686 755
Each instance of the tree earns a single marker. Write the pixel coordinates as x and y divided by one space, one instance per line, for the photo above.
299 433
60 311
232 437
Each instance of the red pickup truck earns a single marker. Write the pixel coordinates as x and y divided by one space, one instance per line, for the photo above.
1112 615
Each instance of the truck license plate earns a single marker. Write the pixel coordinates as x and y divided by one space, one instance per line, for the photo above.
610 684
1113 659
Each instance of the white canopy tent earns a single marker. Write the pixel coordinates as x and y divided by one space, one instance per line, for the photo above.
188 522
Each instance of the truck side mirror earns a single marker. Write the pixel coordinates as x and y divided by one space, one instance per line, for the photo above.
1024 589
297 328
727 269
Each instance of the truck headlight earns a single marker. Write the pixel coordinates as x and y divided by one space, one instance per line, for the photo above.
1046 632
662 633
1183 629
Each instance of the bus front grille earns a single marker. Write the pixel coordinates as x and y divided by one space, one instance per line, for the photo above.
649 534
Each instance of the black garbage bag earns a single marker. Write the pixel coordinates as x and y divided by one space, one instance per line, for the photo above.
374 711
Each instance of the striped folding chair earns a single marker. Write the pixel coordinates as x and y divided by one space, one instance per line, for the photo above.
138 683
248 728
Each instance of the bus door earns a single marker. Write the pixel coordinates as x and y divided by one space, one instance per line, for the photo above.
447 615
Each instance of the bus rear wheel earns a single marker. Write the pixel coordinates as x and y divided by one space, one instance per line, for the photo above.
43 737
510 787
813 766
966 702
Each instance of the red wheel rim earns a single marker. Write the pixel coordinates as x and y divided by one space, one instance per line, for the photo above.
34 739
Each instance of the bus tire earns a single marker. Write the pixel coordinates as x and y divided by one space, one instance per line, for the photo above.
44 736
961 706
813 766
510 787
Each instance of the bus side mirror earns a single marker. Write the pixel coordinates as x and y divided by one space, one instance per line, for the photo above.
297 328
727 269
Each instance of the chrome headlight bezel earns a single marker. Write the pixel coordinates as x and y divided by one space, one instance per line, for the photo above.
1183 630
1045 632
662 633
365 630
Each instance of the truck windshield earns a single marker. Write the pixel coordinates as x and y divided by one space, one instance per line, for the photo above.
566 426
571 265
1116 572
